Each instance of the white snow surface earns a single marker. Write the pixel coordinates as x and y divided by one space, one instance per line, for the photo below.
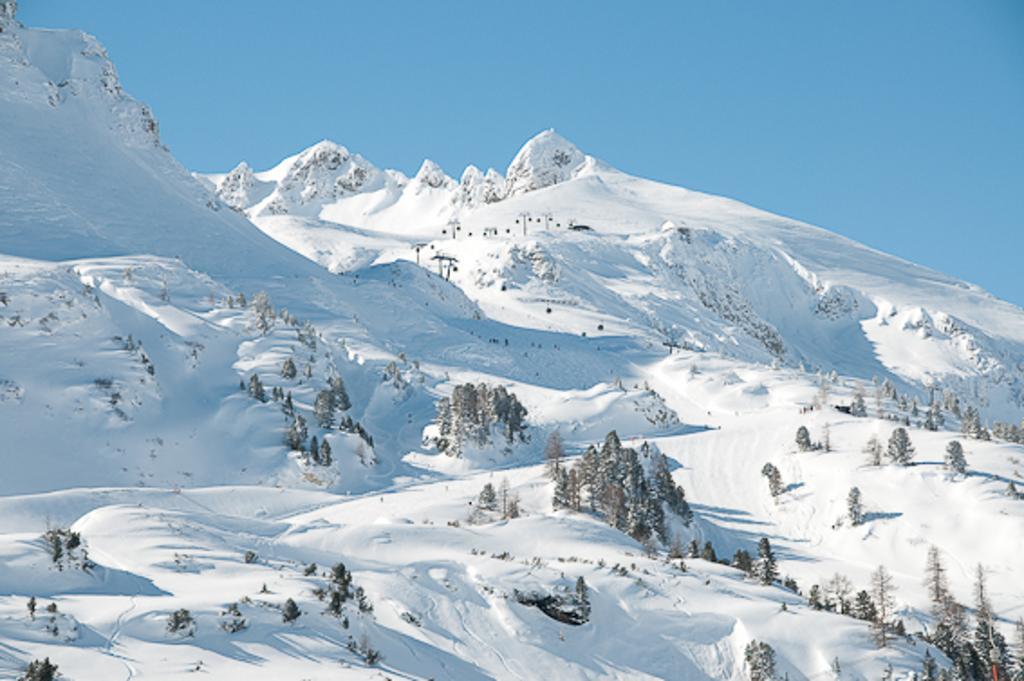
122 416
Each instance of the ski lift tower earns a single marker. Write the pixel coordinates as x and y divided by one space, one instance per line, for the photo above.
523 218
418 248
454 226
445 265
547 217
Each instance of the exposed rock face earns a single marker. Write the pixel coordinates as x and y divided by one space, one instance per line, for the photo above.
545 160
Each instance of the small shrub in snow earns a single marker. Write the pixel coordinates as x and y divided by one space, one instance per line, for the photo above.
291 611
40 670
181 623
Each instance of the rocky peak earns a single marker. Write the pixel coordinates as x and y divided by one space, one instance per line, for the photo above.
545 160
431 175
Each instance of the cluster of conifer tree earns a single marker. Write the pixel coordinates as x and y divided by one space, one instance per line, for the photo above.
630 490
473 412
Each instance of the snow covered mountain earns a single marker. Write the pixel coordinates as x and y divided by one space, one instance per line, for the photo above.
293 423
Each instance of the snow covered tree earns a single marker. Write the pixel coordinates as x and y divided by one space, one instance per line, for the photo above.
873 451
803 439
936 583
900 450
314 450
323 409
882 589
181 622
857 407
970 424
954 459
929 670
291 611
40 670
864 607
766 570
760 660
295 436
339 393
263 313
583 598
837 593
553 454
775 486
288 369
741 561
473 412
854 506
488 499
325 453
560 498
256 388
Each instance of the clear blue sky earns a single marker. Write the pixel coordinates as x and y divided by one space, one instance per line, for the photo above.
899 124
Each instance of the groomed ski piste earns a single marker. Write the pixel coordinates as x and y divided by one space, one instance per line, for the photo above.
709 330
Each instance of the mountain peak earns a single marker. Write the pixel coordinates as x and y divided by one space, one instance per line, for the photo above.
546 159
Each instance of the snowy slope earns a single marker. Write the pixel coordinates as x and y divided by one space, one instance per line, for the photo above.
124 341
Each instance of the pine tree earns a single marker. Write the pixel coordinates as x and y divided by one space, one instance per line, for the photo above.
325 453
741 561
857 407
288 369
864 607
32 607
775 486
323 409
40 670
291 611
256 388
929 670
760 661
583 598
803 439
181 622
873 451
854 506
561 495
955 460
882 588
936 583
341 399
900 450
314 450
553 454
488 499
295 436
766 570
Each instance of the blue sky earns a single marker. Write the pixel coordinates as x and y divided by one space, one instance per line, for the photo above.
899 124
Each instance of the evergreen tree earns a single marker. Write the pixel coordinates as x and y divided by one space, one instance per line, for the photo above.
857 407
708 553
561 495
325 453
295 436
583 598
882 588
873 451
288 369
766 570
854 506
900 450
936 583
40 670
340 395
488 499
929 670
314 450
181 622
864 607
256 388
323 409
775 486
291 611
955 460
760 661
32 607
970 424
803 439
814 598
741 561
